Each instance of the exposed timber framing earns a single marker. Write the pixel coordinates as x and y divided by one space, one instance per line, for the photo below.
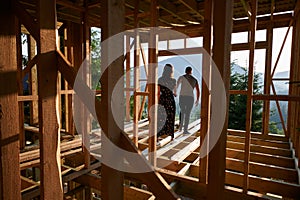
205 98
222 28
112 18
51 184
34 117
20 86
152 79
249 94
10 182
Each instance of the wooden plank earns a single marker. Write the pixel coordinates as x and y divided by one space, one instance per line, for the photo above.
276 97
187 150
205 97
112 19
222 29
293 107
28 98
249 105
261 149
152 78
185 51
94 181
136 193
70 52
267 80
25 18
193 6
265 186
34 111
154 181
262 158
278 173
10 183
87 78
20 86
136 100
51 185
127 103
246 46
258 135
278 144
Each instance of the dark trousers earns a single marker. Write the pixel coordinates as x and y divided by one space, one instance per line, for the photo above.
186 104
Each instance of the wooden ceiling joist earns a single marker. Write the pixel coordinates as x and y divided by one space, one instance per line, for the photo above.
25 18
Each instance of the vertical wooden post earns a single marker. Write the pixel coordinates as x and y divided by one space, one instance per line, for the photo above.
34 113
136 98
205 97
222 29
51 183
152 79
112 19
127 115
293 107
87 79
20 86
267 81
249 95
10 182
70 53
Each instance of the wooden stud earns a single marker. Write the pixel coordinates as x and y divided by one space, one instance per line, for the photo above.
136 97
87 78
249 94
292 123
152 78
26 19
279 109
34 117
267 81
10 182
127 103
51 185
222 28
205 98
20 86
112 20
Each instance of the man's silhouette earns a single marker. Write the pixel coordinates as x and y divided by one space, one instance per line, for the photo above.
186 98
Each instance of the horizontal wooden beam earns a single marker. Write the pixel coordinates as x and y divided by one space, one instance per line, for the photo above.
276 97
244 92
265 186
25 18
28 98
263 159
246 46
278 144
272 172
185 51
70 5
261 149
258 135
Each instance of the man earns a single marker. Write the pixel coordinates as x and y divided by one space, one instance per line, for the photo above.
186 98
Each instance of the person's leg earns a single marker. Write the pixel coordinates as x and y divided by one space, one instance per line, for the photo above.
188 108
181 114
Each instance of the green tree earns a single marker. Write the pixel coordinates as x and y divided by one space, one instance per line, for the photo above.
95 57
238 102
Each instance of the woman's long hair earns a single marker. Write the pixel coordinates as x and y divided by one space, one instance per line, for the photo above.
168 71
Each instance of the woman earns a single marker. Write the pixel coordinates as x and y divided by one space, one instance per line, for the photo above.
166 108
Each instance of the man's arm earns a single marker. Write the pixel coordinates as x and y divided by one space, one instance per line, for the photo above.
177 85
197 93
